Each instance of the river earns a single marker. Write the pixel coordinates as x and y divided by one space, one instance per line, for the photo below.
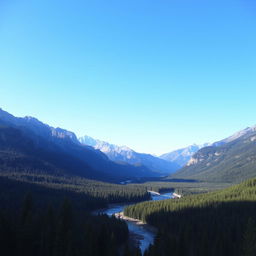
143 235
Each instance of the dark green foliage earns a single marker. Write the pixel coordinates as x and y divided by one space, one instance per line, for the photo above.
63 242
216 223
32 230
184 188
100 193
48 176
46 223
249 238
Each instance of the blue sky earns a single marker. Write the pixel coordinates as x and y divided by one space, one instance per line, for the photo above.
152 75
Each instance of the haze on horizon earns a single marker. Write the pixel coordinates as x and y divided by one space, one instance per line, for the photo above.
154 76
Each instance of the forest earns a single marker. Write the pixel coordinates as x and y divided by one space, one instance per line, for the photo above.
102 191
36 220
214 223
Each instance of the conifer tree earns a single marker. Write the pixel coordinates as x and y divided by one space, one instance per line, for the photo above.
249 239
64 230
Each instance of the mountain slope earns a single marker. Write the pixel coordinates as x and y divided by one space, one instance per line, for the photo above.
127 155
20 154
182 156
237 135
232 161
63 148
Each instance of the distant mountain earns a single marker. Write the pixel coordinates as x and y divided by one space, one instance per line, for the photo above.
37 127
114 152
37 143
235 136
182 156
230 160
127 155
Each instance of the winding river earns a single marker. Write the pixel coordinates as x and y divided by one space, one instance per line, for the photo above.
143 235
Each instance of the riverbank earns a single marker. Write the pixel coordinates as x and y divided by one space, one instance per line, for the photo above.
175 195
141 234
120 215
153 192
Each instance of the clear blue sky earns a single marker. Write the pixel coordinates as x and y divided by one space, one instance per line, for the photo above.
152 75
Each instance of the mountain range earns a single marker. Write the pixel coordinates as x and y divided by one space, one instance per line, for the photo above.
123 154
230 160
27 146
29 142
103 158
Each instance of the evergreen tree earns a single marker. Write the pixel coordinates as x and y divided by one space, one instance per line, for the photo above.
48 233
249 238
64 230
27 227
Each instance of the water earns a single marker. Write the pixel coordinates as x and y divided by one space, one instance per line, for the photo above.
143 235
163 196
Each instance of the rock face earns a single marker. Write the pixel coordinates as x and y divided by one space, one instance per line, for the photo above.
183 156
127 155
37 127
235 136
201 157
230 160
114 152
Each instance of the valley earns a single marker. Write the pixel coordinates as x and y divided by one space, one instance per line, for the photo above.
51 168
127 128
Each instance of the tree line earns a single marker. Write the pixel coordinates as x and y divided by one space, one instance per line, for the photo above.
37 220
215 223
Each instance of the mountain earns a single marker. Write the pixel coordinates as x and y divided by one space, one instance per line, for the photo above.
235 136
183 155
230 160
114 152
30 142
127 155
